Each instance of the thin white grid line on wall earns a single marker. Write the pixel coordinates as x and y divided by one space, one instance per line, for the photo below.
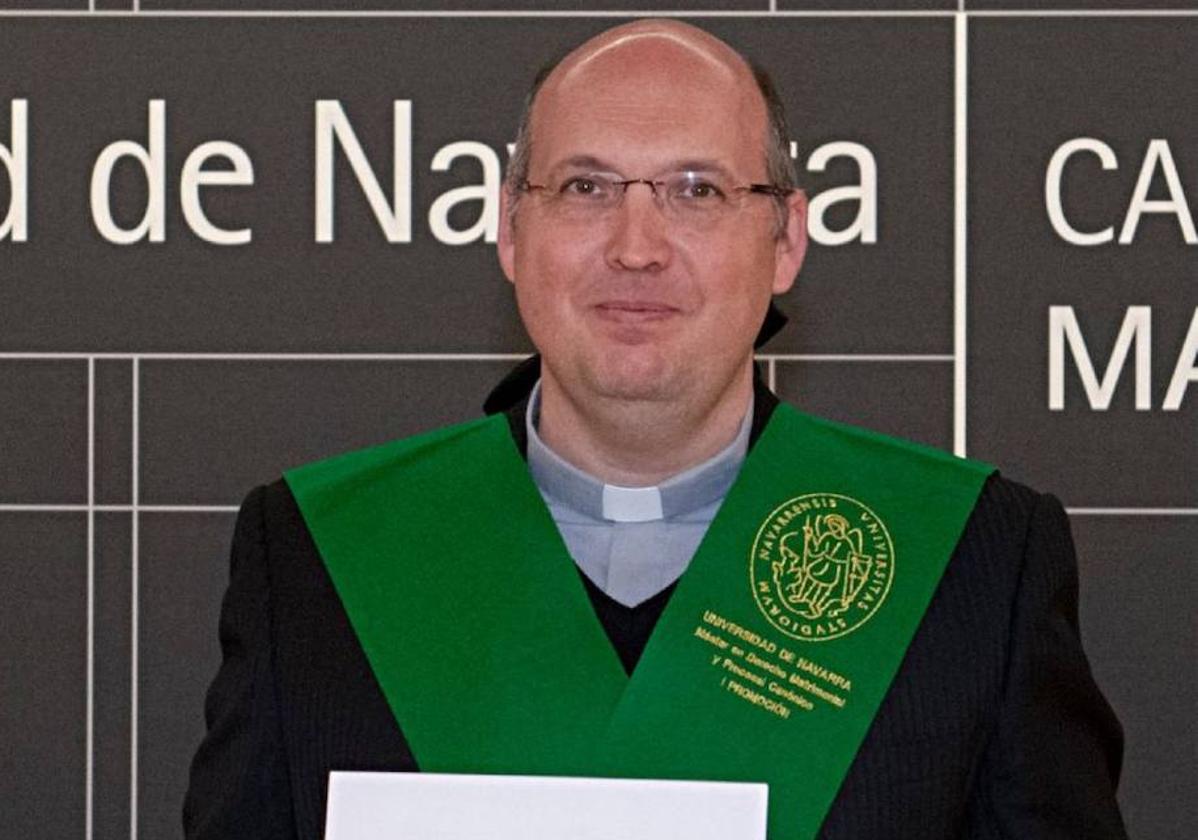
855 357
481 13
771 374
187 509
698 13
1070 13
267 357
1132 511
134 497
960 238
435 357
89 763
68 508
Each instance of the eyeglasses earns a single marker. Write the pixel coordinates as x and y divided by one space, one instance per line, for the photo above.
690 198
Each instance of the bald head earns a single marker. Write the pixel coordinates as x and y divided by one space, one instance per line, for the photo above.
699 42
662 61
657 52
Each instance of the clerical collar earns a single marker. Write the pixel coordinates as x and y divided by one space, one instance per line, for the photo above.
682 493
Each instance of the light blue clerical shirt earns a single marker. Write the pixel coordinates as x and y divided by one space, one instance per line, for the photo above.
632 542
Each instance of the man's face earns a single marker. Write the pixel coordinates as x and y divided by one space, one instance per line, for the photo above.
632 304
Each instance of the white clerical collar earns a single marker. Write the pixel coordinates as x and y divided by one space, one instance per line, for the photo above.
689 490
632 504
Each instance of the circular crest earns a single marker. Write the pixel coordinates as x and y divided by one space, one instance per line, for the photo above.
821 566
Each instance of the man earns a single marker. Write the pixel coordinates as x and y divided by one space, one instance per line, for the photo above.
648 566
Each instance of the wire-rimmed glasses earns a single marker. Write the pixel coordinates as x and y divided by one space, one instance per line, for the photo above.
694 199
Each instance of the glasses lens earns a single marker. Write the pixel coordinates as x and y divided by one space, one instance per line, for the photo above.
694 191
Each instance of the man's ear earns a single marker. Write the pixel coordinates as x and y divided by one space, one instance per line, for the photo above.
506 245
791 246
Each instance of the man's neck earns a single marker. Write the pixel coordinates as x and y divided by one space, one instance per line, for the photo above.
640 443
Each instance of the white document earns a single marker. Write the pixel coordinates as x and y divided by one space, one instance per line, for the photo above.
430 806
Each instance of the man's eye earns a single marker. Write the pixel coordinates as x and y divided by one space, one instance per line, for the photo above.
700 191
581 187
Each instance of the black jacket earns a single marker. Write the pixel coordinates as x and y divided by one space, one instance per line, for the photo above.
992 728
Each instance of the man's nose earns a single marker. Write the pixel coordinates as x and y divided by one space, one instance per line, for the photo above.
638 239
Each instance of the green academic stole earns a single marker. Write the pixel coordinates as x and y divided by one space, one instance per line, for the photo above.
768 664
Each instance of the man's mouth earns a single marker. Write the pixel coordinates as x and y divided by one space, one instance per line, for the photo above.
635 311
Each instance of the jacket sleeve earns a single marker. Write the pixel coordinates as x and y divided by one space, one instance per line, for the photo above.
239 785
1052 764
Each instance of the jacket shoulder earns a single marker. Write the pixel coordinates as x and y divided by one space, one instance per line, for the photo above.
1002 496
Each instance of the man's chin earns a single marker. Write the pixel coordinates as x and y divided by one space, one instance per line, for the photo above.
619 377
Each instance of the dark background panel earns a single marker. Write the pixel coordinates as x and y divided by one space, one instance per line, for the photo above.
673 6
468 5
1139 583
114 431
183 568
882 83
113 675
43 680
911 400
212 430
1036 84
867 5
43 431
1088 5
75 5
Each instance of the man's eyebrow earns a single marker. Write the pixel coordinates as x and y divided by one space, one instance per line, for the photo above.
701 165
588 162
596 164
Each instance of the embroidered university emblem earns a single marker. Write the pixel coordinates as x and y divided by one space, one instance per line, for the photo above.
821 566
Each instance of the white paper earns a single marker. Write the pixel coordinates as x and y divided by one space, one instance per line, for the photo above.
430 806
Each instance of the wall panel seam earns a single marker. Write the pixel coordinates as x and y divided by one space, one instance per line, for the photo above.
90 723
135 498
